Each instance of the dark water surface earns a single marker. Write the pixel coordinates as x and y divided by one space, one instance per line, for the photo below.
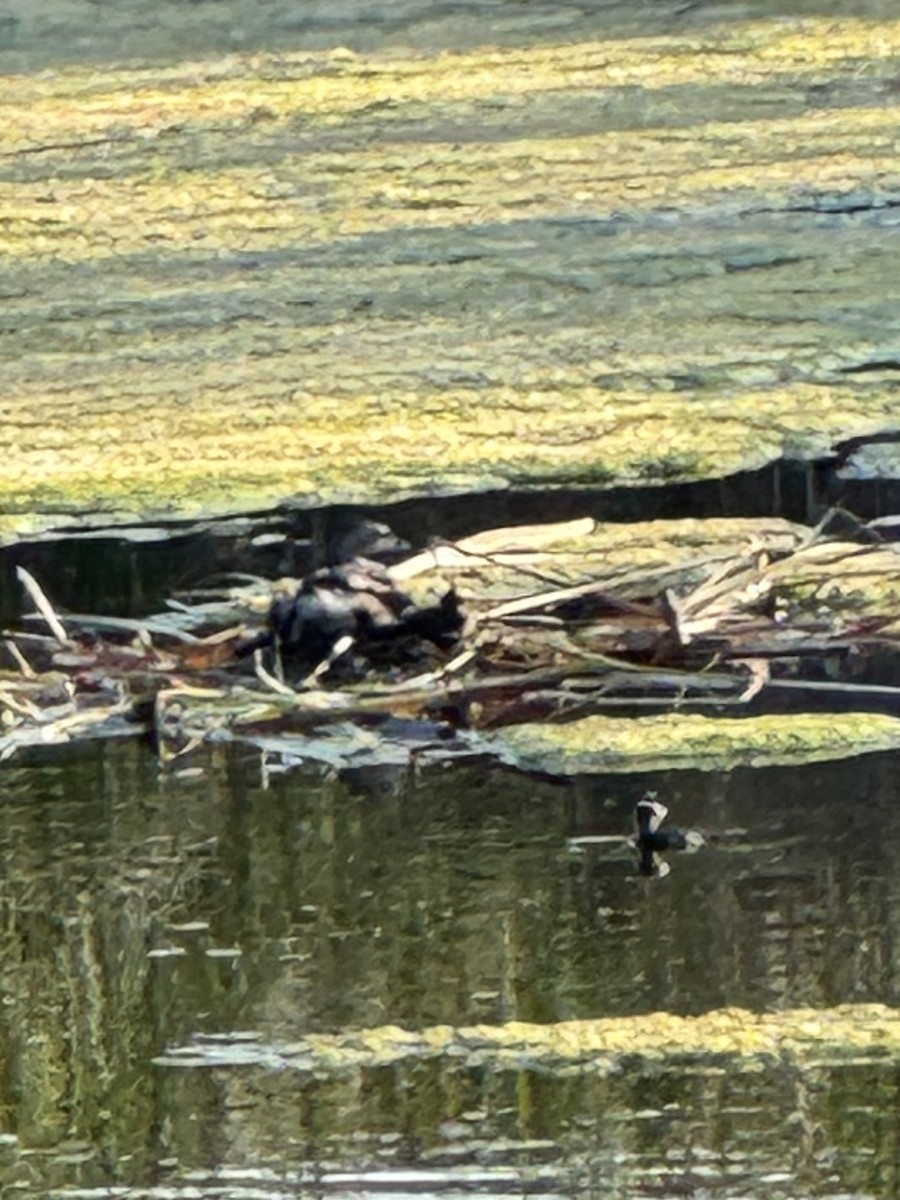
137 911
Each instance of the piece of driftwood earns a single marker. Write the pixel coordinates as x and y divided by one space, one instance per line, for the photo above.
574 634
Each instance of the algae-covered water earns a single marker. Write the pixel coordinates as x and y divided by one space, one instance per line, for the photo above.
203 980
280 250
258 253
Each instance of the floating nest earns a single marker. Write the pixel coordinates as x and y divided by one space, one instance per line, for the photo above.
541 623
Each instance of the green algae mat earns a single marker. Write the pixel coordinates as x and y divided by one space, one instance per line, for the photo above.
600 744
308 275
801 1036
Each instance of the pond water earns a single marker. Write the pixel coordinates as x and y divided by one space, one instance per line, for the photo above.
139 911
237 910
62 31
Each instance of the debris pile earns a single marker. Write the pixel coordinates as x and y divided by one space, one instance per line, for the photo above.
531 623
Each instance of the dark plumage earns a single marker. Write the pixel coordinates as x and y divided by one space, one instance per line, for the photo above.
366 539
361 604
651 839
358 600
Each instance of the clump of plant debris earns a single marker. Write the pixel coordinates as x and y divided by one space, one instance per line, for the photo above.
547 622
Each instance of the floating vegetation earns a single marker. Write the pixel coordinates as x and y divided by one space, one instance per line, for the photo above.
600 744
800 1036
539 644
461 188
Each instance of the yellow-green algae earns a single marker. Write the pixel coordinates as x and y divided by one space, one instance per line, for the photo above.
836 576
227 208
337 276
797 1036
688 740
749 52
146 453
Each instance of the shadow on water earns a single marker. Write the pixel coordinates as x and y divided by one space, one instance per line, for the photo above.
138 911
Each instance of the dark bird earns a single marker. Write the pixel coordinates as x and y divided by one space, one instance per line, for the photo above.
359 600
355 602
366 539
653 839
